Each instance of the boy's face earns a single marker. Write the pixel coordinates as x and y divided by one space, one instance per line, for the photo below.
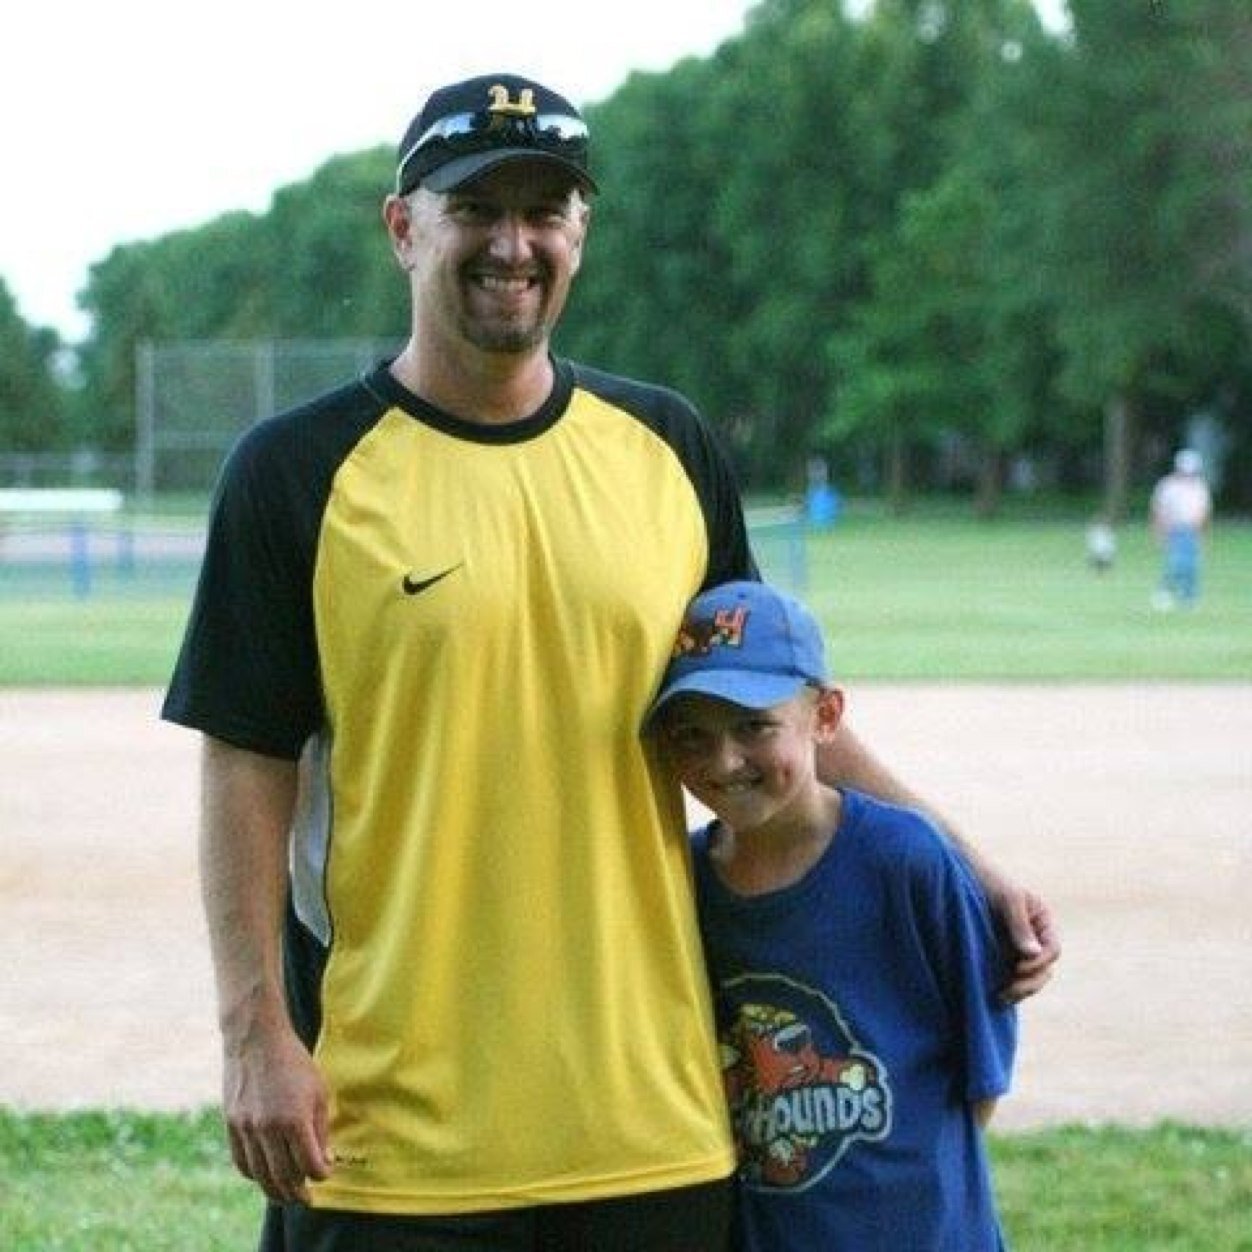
752 767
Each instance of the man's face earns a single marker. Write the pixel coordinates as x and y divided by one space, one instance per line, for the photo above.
491 263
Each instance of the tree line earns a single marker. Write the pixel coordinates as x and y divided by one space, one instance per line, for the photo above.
936 244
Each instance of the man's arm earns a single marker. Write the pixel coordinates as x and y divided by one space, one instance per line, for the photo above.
845 760
984 1111
274 1099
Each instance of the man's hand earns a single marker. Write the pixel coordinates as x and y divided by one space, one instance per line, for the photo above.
1028 923
276 1116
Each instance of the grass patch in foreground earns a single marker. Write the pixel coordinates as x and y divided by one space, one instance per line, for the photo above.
132 1182
121 1182
1111 1189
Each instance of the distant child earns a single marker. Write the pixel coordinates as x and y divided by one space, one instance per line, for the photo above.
1101 545
853 957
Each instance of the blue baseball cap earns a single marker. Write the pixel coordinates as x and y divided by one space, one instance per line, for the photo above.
747 643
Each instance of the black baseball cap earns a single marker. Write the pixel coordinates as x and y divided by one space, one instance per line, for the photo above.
468 128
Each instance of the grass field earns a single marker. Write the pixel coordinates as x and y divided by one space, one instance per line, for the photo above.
125 1182
928 597
950 599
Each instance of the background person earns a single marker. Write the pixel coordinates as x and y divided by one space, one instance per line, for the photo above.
1101 541
434 607
853 956
1181 508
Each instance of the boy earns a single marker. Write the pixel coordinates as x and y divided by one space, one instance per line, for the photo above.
853 956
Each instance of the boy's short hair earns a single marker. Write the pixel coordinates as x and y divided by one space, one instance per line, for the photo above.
747 643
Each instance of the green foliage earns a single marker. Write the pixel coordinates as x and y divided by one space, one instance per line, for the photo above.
784 219
331 272
1146 157
1142 160
949 338
928 308
188 285
649 248
316 265
135 1182
32 407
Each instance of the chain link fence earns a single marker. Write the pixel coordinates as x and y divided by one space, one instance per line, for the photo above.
82 468
193 400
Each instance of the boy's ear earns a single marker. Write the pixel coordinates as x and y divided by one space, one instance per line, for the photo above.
828 713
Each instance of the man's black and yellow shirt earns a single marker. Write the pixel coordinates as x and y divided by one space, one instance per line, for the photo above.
458 627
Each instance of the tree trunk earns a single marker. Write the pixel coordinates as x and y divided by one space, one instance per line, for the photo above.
1119 433
990 482
896 471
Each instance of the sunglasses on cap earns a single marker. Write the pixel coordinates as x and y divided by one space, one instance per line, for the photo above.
462 134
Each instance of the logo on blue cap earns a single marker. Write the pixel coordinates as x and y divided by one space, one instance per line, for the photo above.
747 643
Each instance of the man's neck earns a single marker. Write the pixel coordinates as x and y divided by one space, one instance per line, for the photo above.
492 388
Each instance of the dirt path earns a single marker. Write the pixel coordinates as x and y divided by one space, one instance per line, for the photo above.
1130 808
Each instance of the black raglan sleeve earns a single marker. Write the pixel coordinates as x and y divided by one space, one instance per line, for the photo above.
247 670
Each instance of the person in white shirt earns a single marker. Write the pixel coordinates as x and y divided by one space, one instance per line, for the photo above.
1181 509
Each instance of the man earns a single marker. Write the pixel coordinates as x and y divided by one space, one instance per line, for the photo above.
1181 509
434 606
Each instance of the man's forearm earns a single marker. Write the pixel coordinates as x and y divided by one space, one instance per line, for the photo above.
847 762
984 1111
247 801
274 1098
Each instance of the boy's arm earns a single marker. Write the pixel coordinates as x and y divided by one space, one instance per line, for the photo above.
1025 916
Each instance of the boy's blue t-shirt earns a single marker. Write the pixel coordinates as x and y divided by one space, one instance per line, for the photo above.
858 1018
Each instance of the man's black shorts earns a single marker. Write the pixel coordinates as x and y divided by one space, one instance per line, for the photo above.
689 1219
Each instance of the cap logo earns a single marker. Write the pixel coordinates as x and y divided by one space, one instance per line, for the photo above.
699 636
501 104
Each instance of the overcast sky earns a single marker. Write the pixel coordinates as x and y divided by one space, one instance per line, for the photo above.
125 119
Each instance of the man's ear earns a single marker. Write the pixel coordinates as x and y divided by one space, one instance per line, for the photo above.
582 221
398 218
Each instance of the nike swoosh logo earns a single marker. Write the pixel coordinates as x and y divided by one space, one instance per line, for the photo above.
413 586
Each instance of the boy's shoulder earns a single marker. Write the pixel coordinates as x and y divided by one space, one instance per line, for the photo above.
898 826
896 837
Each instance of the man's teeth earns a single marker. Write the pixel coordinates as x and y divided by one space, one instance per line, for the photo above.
493 282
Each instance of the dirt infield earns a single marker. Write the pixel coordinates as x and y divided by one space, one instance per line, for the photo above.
1130 808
